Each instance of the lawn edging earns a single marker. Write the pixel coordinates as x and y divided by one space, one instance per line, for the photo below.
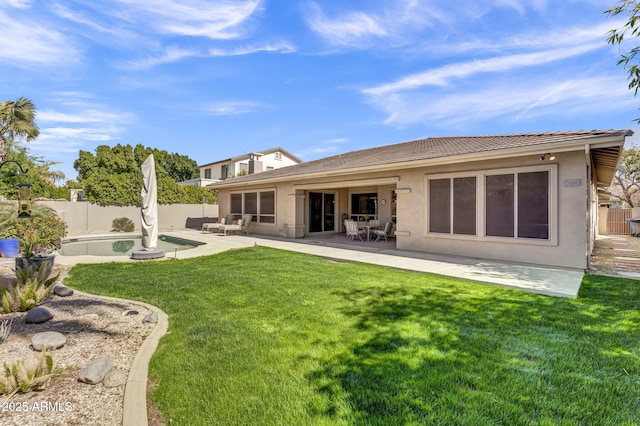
135 392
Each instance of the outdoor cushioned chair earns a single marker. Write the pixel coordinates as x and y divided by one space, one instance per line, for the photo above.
383 233
227 220
352 230
246 221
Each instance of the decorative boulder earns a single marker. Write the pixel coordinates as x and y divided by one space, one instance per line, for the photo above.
48 340
62 290
95 372
115 378
151 318
38 315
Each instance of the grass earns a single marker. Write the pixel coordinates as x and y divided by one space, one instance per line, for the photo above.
269 337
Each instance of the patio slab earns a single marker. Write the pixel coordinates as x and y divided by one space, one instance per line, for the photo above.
532 278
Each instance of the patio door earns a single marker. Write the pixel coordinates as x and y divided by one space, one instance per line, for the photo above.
322 216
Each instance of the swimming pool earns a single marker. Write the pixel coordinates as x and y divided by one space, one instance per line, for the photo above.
120 246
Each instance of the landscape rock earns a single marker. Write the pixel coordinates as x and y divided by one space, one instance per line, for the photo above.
130 312
49 340
62 290
38 315
151 318
95 372
115 378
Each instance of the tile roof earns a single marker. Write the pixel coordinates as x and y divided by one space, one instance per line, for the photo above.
426 149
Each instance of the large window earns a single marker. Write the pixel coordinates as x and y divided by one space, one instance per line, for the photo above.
518 205
506 204
364 205
452 205
207 173
261 205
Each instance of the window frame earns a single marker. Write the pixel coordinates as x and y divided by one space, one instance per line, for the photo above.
481 225
258 216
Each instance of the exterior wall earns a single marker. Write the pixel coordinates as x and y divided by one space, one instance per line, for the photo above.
87 218
270 160
570 211
267 160
568 246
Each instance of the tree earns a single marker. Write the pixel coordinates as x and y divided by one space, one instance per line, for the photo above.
17 119
626 185
113 177
37 174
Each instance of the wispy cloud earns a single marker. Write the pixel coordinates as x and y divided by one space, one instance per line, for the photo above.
168 55
231 108
18 4
276 47
77 122
219 20
25 44
392 23
327 147
173 54
444 75
497 99
352 29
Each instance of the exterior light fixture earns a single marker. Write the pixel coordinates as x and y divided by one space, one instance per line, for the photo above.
24 193
24 200
550 156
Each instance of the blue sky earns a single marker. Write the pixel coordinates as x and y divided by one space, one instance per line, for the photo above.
213 79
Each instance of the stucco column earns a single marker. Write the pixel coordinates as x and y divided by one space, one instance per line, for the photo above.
299 226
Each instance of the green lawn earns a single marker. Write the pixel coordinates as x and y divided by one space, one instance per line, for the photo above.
270 337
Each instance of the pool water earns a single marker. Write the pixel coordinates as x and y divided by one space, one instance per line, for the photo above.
122 246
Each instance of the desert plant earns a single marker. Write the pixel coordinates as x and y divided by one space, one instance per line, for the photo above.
5 329
32 287
27 374
123 224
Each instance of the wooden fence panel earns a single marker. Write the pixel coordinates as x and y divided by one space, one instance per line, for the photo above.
617 222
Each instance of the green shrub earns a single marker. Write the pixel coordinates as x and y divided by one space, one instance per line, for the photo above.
123 224
27 374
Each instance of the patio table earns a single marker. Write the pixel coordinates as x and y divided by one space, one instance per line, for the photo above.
367 227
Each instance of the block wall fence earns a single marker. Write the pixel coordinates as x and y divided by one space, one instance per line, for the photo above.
87 218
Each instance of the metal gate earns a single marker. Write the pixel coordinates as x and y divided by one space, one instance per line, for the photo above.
617 222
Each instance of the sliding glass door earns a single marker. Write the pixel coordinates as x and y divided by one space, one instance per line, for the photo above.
322 216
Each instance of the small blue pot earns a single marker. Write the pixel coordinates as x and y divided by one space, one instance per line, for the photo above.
9 247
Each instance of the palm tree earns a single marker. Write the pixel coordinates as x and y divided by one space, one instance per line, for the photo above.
17 118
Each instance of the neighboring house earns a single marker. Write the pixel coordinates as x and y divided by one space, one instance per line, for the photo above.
529 198
246 164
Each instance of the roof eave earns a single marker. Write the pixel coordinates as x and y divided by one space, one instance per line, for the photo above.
536 150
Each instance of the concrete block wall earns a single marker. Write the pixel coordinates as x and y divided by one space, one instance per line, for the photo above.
88 218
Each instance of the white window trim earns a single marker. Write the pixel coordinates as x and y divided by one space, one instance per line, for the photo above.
258 214
480 176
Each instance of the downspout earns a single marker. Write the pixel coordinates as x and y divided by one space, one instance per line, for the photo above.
587 155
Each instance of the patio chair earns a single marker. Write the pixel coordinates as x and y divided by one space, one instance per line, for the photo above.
246 221
383 233
352 230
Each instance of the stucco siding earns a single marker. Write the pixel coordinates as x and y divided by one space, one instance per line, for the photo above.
570 205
